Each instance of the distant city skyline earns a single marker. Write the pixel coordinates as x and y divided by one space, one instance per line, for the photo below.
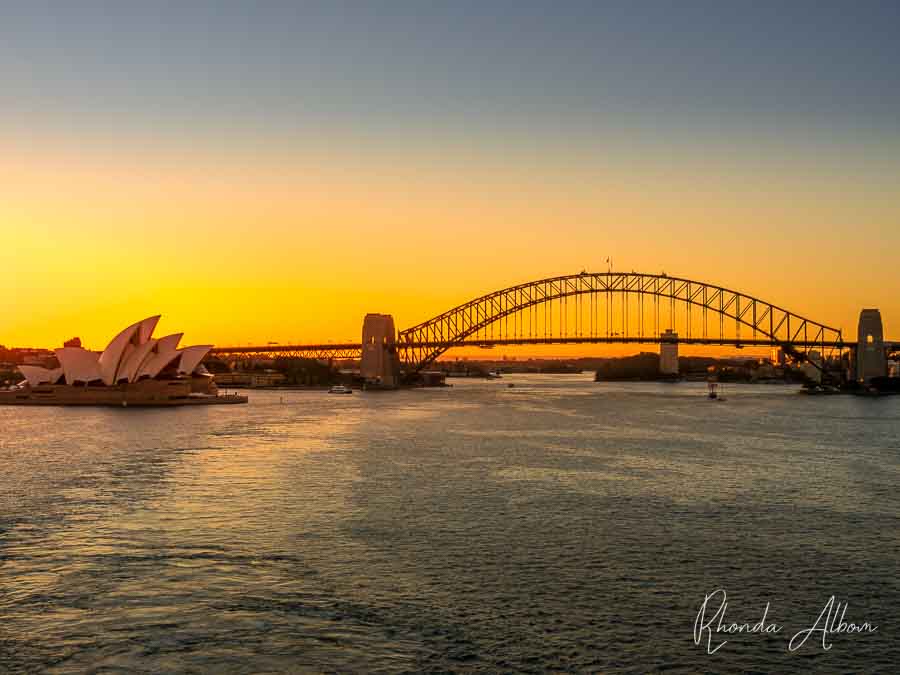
274 173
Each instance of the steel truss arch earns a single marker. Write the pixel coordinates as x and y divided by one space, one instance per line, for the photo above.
420 345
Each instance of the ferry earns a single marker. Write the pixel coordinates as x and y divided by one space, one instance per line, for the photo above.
340 389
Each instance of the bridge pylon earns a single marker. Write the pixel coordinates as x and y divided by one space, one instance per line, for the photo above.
668 352
380 361
871 358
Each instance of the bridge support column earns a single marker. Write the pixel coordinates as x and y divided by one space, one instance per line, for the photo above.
871 360
380 362
668 353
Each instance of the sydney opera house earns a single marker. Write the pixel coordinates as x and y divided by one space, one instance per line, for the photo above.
134 369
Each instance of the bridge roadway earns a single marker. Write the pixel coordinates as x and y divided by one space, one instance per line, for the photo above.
353 350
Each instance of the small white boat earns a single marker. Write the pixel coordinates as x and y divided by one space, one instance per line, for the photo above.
340 389
715 392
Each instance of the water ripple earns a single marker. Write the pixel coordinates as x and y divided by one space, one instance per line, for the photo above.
557 526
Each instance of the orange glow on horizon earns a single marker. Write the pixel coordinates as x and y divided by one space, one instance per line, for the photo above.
237 245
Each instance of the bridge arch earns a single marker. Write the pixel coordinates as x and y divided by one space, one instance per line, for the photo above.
422 344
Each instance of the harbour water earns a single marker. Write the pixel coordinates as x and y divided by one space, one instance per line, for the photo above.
556 525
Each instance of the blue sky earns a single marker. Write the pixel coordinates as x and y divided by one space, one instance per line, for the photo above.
606 65
755 145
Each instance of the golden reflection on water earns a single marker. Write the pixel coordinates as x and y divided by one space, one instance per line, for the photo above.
448 529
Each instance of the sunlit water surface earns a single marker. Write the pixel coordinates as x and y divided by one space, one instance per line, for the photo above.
555 525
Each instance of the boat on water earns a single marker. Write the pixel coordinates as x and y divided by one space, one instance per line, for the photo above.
340 389
715 393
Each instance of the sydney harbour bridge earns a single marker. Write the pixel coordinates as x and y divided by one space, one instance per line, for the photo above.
589 308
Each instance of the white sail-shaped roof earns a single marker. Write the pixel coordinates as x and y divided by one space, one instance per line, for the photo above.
165 350
133 354
155 364
169 342
145 330
191 358
126 354
79 365
111 357
136 357
36 375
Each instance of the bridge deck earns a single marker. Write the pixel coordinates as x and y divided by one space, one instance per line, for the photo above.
352 349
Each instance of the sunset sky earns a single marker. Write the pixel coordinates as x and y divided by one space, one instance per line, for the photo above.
273 171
